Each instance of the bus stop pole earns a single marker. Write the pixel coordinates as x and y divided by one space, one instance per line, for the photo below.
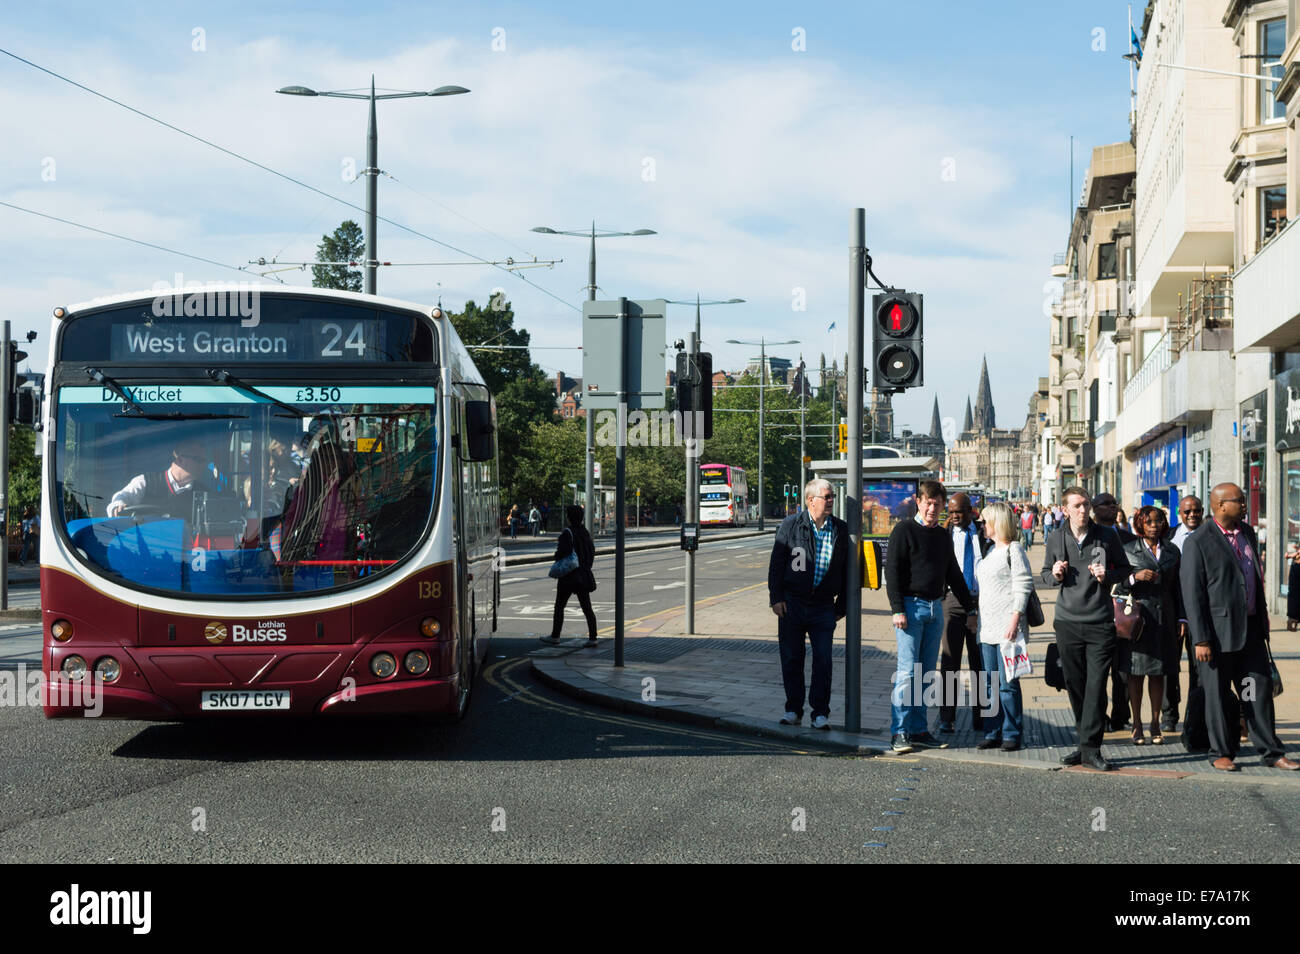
853 476
620 512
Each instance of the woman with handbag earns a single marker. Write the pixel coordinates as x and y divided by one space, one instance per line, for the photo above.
1155 589
574 555
1006 582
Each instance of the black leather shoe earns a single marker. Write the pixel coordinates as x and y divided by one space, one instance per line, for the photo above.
1169 725
989 743
1074 758
1011 745
1097 762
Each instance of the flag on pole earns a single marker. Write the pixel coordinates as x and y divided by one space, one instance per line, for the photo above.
832 327
1135 46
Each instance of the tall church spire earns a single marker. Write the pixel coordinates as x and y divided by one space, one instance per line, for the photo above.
969 426
936 428
985 418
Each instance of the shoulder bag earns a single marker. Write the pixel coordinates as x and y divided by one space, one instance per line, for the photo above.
1128 615
1033 609
565 565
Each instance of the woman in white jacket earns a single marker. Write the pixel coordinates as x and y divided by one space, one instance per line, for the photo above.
1006 581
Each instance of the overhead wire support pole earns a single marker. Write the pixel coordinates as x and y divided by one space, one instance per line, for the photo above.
853 477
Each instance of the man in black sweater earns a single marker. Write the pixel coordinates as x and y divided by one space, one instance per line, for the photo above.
919 567
1084 560
807 585
1105 511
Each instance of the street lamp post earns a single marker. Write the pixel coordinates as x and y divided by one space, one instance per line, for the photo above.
762 389
371 264
591 296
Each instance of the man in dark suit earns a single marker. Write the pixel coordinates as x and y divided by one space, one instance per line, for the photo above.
1105 511
1223 594
1084 560
807 583
969 547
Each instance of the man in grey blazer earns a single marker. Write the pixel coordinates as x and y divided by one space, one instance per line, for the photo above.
1223 595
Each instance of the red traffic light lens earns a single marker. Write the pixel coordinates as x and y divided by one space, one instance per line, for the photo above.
896 318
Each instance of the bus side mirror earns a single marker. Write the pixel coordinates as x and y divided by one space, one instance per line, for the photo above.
481 430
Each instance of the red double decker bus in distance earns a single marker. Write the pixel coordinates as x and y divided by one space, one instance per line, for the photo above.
265 500
724 496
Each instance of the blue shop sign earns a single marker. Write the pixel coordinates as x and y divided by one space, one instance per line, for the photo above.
1164 463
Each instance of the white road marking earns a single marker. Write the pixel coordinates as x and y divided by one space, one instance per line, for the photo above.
669 586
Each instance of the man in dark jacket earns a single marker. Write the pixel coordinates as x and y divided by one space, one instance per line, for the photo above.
580 582
1084 560
807 583
1223 595
969 548
1105 511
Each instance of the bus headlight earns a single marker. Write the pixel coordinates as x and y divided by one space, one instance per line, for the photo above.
108 668
416 662
430 627
61 630
74 667
383 665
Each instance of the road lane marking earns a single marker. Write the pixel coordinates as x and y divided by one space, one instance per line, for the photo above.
669 586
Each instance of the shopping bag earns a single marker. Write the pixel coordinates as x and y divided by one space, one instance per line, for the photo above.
1015 658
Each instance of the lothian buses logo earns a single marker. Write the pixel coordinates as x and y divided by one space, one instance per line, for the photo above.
215 633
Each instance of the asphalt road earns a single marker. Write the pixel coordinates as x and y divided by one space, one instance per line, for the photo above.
655 580
563 781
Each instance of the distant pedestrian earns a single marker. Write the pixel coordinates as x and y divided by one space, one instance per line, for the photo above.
1027 526
580 582
1121 522
919 568
514 520
1085 560
31 534
1155 589
1006 582
1049 523
534 519
1230 633
541 520
807 585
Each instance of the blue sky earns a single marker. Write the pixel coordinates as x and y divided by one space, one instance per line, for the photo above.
949 122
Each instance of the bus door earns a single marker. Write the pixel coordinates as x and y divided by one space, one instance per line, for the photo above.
464 615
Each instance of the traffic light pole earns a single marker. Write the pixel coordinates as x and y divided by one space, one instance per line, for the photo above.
620 472
853 480
803 454
692 424
762 389
5 410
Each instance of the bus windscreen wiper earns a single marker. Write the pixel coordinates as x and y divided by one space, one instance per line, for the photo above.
225 377
136 411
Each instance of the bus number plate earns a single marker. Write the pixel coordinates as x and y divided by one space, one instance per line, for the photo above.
256 700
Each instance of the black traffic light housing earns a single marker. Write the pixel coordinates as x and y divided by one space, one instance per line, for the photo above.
897 341
695 392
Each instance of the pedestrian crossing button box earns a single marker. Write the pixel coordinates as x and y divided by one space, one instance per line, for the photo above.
690 536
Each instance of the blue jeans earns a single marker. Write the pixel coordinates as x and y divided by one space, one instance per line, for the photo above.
1029 537
818 622
1010 724
918 644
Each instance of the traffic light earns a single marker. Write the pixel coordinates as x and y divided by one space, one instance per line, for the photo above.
14 378
695 392
896 341
844 438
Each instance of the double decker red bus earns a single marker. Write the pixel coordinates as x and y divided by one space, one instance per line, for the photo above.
724 496
266 500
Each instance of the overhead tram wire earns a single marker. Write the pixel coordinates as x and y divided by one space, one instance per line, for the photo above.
282 175
443 205
127 238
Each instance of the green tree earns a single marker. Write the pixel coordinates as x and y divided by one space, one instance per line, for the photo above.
555 452
524 393
24 472
346 245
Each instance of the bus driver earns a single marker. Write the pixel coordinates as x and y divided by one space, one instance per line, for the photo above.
171 489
